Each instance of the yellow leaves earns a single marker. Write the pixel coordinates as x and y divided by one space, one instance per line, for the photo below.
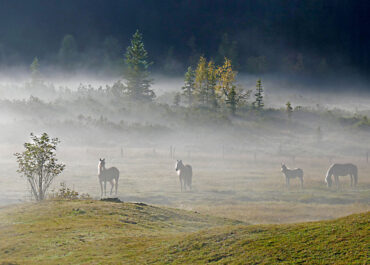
226 78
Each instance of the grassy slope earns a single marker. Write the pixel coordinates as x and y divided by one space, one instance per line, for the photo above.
110 233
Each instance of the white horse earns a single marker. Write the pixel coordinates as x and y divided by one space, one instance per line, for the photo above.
292 173
185 173
337 170
105 175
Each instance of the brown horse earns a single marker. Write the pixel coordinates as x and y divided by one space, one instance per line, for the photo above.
185 173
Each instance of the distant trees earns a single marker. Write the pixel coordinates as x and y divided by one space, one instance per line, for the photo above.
289 109
213 86
232 94
39 165
68 52
35 72
227 49
137 70
177 99
258 103
189 86
112 58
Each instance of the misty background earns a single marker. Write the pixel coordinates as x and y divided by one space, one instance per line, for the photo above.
312 54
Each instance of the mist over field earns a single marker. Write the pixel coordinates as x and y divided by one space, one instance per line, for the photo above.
270 82
184 132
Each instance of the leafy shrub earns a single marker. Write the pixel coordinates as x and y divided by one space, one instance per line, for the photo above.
66 193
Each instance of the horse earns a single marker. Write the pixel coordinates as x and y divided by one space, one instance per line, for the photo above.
105 175
185 173
291 174
337 170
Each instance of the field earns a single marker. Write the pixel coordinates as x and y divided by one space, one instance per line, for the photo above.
92 232
225 184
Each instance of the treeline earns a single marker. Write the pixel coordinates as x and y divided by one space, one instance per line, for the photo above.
293 36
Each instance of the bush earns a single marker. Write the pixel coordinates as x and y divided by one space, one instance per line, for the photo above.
65 193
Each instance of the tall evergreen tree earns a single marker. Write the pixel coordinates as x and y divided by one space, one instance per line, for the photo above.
289 109
68 52
189 86
137 70
35 72
258 103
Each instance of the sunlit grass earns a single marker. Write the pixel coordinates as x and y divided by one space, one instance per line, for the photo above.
93 232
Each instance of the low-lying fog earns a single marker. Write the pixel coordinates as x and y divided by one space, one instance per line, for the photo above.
236 159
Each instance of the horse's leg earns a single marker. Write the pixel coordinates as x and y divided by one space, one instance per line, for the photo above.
116 182
287 181
101 188
336 179
112 185
351 180
301 178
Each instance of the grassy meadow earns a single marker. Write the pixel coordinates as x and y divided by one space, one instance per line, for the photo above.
93 232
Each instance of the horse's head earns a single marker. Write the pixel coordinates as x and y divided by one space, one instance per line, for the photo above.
178 165
101 165
283 167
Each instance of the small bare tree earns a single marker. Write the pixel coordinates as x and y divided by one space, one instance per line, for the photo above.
38 164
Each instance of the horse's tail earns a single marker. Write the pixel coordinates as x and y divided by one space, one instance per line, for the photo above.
328 176
190 174
117 174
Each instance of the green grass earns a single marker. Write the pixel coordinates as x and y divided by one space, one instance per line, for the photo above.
94 232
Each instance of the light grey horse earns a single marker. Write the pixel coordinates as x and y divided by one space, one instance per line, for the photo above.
337 170
105 175
185 173
291 174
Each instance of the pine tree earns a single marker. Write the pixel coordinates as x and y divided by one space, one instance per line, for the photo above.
289 109
137 75
177 99
258 103
189 86
68 52
35 72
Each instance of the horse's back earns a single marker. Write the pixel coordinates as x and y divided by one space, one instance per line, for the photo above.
347 168
189 170
112 171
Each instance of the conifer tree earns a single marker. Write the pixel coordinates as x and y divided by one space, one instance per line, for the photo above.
189 86
137 70
258 103
289 109
35 72
177 99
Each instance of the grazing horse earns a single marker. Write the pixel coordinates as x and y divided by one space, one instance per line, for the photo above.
185 173
105 175
337 170
292 173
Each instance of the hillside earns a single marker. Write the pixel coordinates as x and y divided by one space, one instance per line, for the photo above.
92 232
